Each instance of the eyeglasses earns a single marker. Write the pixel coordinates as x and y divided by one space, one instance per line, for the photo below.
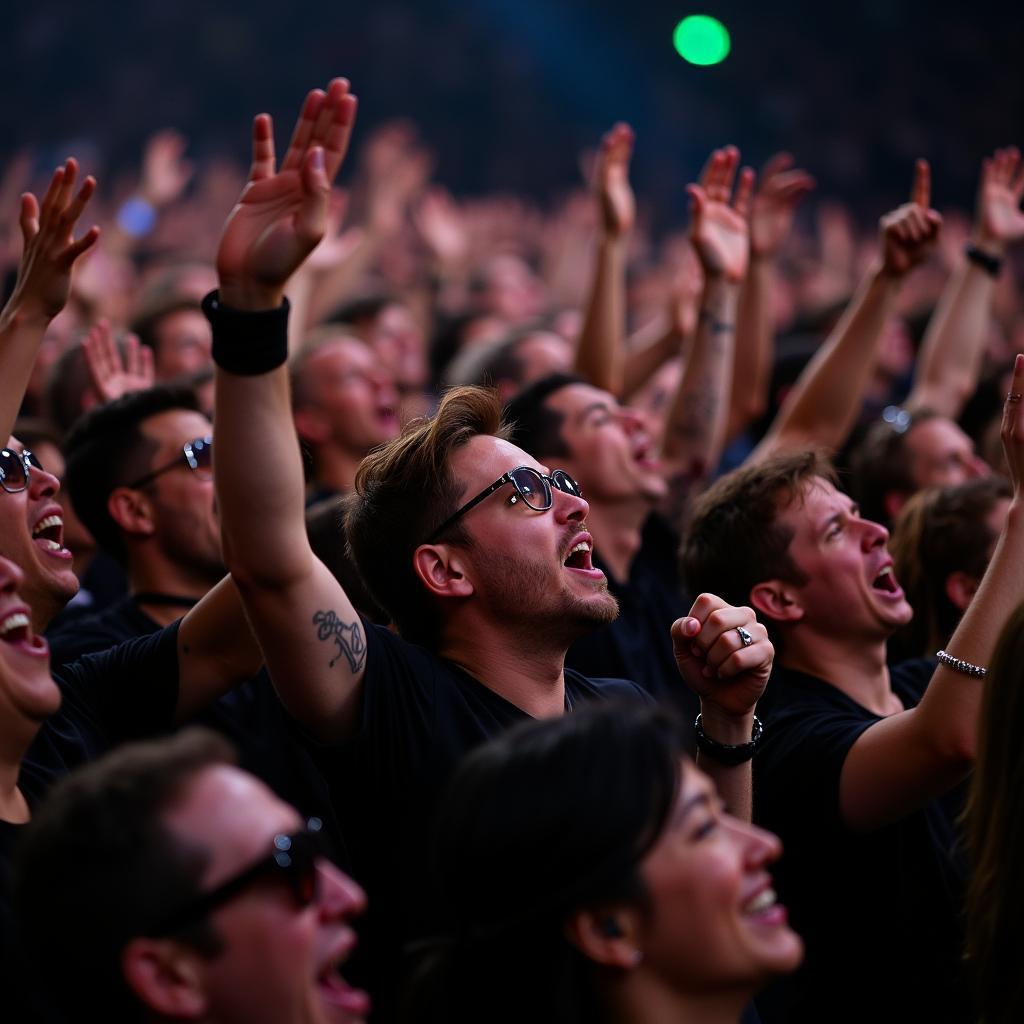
198 456
533 487
292 862
15 469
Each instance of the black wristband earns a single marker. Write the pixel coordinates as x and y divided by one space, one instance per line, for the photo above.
989 263
729 754
244 342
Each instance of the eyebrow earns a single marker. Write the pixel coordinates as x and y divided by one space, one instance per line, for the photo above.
683 811
599 406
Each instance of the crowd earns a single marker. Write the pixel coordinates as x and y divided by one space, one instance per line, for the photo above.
427 609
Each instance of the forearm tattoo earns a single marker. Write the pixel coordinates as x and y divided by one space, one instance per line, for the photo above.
347 635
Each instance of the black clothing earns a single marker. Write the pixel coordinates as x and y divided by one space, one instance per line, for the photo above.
637 645
880 913
421 715
88 634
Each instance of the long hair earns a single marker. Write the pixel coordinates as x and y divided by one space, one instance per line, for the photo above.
995 825
553 817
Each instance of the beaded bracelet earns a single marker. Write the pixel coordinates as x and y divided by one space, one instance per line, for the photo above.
730 754
959 665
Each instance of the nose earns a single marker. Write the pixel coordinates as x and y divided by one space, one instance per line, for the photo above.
11 577
338 897
42 484
760 847
568 508
874 535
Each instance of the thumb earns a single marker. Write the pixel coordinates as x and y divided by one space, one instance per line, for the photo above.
311 221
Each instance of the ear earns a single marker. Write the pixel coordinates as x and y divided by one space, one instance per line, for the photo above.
165 976
311 426
442 569
607 936
778 600
960 588
893 503
132 511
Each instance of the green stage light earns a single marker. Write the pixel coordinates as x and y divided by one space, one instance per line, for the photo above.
701 39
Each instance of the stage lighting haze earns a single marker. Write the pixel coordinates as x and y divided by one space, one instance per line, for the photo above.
701 39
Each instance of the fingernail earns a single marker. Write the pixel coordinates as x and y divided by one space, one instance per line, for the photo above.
318 158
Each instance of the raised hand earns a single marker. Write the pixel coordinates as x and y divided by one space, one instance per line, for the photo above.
999 220
164 172
781 189
910 233
611 181
442 226
50 249
718 230
282 214
1013 426
714 660
113 376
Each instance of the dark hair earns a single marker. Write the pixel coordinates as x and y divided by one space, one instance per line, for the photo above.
403 492
536 427
880 465
362 308
552 817
940 531
106 449
97 867
155 309
67 384
995 832
735 539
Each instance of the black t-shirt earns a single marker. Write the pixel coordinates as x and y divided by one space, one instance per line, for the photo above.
880 913
421 715
638 645
102 704
88 634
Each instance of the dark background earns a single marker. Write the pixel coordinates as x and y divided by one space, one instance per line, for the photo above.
508 92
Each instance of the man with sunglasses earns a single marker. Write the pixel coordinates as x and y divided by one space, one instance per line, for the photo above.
479 553
140 474
171 885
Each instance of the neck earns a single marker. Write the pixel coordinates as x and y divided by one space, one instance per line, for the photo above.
642 996
13 806
335 469
617 531
525 670
857 668
151 572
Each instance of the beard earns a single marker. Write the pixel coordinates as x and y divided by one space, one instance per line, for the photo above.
546 611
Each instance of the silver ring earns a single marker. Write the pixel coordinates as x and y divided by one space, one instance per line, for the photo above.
744 636
1013 396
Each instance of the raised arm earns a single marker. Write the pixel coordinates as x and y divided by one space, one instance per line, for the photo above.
43 283
953 347
724 655
695 426
311 636
822 407
600 350
780 191
903 761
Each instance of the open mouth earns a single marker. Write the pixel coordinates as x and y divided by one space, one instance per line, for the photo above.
49 533
579 557
16 630
336 992
765 908
886 581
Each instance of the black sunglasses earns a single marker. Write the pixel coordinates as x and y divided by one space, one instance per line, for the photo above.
292 862
197 455
532 486
15 469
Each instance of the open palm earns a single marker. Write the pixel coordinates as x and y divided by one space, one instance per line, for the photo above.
718 230
281 214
